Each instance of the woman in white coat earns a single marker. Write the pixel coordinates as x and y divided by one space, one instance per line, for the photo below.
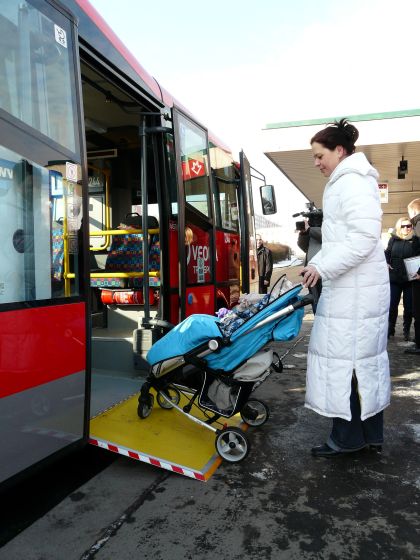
348 369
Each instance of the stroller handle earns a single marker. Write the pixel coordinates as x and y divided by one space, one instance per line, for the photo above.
306 300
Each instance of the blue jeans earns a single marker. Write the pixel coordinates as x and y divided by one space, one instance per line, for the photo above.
356 434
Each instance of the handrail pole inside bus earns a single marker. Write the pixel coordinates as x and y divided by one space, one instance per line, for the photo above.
145 219
66 258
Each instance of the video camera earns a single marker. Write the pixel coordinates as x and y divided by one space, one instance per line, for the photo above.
313 214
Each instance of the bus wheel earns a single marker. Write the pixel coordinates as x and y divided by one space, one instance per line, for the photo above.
145 406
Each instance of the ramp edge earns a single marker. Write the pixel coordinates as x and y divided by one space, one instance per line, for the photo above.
203 476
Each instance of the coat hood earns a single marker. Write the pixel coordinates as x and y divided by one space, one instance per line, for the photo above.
356 163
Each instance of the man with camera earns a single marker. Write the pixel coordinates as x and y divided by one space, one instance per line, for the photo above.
310 240
265 264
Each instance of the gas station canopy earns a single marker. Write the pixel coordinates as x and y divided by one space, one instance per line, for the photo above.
385 139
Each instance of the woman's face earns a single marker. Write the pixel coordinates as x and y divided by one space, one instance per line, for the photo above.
327 160
405 229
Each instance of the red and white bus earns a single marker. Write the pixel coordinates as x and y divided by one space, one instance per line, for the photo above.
119 213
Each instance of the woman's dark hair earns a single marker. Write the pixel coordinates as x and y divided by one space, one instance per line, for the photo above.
338 133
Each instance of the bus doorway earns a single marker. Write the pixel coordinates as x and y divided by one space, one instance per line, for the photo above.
120 243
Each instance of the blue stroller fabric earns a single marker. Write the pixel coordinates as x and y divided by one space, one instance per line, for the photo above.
198 329
192 332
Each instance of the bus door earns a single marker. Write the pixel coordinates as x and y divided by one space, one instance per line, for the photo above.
226 184
195 221
249 274
44 355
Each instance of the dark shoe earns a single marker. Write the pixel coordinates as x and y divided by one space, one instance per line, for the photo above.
375 447
415 350
324 451
406 334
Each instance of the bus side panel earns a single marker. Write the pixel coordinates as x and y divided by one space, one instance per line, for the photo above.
40 421
42 380
228 256
200 299
40 345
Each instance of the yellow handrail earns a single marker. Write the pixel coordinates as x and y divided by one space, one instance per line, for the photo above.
107 274
101 233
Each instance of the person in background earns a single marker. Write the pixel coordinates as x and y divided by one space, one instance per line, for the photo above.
400 247
414 212
310 241
348 369
265 265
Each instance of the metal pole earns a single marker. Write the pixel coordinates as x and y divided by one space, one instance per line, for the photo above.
144 200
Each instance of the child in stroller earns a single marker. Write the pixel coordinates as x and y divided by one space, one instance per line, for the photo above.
217 366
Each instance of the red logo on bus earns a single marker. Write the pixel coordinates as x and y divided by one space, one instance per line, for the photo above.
192 168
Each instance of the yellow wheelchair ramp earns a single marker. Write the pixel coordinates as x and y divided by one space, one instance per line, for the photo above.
166 439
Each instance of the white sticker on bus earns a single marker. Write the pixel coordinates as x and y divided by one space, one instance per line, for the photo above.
71 171
60 36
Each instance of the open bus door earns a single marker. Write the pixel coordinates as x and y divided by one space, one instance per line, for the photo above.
249 277
196 234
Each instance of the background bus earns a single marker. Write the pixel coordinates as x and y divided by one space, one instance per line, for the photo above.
120 214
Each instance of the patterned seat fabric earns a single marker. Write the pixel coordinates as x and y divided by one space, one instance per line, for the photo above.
126 255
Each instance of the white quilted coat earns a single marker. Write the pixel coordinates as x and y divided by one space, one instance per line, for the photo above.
351 323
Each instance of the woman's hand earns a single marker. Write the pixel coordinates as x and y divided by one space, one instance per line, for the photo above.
310 276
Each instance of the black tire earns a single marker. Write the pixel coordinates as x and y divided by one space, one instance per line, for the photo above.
172 393
145 406
232 444
255 413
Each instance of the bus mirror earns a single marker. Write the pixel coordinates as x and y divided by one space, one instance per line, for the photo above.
268 200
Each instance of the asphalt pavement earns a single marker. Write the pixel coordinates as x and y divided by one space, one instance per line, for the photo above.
279 503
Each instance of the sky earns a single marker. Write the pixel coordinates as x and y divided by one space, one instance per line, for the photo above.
238 65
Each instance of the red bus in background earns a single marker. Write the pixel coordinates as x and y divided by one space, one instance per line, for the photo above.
121 215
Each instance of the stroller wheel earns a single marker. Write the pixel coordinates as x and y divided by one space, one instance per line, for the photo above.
255 413
145 406
232 444
173 394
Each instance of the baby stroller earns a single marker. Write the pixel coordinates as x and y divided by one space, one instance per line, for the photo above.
217 373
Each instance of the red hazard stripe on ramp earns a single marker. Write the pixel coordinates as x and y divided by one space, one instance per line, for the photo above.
150 460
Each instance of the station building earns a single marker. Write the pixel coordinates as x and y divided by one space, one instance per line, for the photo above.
390 141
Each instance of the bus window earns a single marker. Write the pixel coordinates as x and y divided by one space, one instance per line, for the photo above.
227 200
37 85
39 210
195 166
225 184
